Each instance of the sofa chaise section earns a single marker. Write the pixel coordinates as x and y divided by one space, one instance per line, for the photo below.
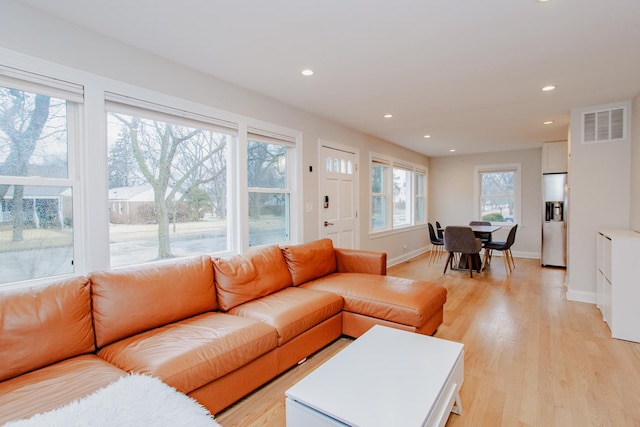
370 297
412 305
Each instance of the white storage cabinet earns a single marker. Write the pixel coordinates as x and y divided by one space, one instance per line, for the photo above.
618 282
555 157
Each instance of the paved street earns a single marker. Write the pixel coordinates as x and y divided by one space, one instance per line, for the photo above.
49 252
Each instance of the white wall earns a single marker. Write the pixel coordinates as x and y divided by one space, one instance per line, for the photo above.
30 32
635 164
451 186
599 193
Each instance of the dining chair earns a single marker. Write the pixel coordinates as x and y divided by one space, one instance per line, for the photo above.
485 237
439 231
504 247
438 244
461 239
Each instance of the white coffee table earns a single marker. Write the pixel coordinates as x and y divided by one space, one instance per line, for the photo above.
387 377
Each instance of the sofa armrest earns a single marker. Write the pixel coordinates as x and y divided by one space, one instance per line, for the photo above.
359 261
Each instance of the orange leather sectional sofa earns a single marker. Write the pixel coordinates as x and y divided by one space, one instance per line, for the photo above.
215 329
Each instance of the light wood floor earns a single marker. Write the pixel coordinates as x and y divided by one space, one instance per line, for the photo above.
532 358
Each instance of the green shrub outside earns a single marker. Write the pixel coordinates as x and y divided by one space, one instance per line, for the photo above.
493 217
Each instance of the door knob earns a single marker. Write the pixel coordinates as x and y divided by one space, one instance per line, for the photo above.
327 223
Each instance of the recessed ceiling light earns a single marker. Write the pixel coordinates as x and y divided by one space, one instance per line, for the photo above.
307 72
388 116
542 1
548 122
427 136
548 88
453 150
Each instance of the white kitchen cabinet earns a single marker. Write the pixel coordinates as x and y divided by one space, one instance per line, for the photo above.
555 156
618 285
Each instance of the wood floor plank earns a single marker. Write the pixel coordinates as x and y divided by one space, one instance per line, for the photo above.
532 358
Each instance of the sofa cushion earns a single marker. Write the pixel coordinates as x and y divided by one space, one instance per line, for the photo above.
405 301
55 385
292 311
309 261
193 352
252 275
43 325
135 299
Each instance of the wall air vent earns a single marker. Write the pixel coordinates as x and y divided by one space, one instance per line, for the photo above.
604 125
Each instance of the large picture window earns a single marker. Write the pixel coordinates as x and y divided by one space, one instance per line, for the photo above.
154 177
167 186
38 129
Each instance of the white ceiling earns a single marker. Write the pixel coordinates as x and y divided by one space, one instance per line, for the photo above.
467 72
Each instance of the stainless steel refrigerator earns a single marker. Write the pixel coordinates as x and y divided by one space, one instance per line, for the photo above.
554 225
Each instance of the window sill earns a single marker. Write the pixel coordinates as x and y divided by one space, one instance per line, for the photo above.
394 231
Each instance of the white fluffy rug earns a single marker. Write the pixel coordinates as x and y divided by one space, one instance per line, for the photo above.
134 400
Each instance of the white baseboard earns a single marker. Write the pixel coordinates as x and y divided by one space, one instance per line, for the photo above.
521 254
581 296
407 256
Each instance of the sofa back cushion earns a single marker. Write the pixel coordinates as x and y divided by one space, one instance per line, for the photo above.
310 261
245 277
135 299
43 325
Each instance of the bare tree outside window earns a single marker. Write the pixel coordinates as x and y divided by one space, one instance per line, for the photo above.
35 218
497 197
176 181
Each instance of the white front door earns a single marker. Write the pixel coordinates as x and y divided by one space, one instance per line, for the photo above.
339 196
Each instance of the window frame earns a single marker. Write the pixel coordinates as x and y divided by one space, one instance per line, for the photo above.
384 195
391 165
257 137
516 168
417 197
51 84
118 104
409 201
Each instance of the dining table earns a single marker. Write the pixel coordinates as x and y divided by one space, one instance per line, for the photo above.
482 229
478 229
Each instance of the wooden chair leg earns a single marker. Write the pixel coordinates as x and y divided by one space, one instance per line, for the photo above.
470 263
507 265
513 261
434 254
484 259
508 260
